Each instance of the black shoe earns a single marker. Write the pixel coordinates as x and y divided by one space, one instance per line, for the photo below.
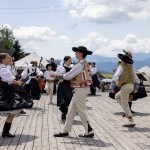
7 135
130 105
89 135
60 134
129 125
132 111
22 112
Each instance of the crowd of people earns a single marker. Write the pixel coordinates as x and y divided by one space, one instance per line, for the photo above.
75 82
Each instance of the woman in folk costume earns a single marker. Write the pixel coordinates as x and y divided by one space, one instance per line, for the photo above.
13 70
49 86
95 81
80 79
9 87
12 67
31 74
64 91
125 79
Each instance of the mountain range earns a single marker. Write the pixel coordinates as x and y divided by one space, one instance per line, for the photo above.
107 64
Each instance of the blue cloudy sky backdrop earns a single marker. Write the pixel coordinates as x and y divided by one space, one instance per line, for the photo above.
53 27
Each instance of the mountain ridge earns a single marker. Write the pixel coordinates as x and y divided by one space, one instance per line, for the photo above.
107 64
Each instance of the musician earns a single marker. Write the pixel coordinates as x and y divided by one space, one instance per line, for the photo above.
32 74
49 86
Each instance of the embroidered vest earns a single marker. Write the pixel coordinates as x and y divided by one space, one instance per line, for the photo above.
127 75
83 79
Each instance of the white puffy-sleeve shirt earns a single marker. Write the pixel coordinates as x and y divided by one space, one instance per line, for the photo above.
47 75
119 72
60 70
12 70
25 73
74 71
5 74
93 70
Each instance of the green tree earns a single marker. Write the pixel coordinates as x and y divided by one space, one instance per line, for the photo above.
18 51
6 40
8 44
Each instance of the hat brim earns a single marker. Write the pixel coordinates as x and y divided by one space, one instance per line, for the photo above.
127 59
76 49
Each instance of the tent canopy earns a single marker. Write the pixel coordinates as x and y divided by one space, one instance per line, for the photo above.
25 62
144 69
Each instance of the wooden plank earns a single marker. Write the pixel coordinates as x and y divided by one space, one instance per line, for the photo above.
35 130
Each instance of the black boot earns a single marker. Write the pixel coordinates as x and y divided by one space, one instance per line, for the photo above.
130 105
63 117
6 129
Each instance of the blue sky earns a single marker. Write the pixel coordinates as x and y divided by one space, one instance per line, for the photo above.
53 27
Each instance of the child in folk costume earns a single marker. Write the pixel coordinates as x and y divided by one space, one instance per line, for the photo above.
31 74
64 91
80 79
8 100
49 86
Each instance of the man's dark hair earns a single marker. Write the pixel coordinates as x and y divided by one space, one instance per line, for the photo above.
84 55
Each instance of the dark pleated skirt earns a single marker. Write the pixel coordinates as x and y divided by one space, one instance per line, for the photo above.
64 93
13 97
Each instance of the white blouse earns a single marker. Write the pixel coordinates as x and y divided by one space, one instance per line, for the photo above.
25 73
93 70
12 70
47 75
74 71
5 74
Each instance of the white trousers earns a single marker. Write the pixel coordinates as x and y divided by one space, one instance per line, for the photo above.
78 104
49 87
123 97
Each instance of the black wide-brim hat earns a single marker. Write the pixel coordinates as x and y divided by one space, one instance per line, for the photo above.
126 58
82 49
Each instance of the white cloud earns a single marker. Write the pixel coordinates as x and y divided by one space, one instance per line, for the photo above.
108 11
63 38
32 36
34 33
103 46
30 46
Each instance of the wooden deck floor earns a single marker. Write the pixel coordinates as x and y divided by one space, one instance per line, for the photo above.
35 130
